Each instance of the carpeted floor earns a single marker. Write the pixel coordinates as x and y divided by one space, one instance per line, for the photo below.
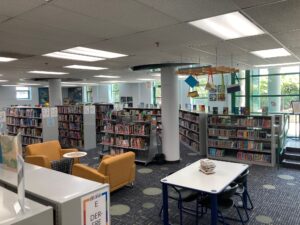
274 192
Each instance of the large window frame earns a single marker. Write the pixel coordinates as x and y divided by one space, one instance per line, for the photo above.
23 93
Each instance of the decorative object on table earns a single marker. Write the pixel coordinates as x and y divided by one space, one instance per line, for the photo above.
191 81
10 150
193 94
225 110
207 166
264 110
215 110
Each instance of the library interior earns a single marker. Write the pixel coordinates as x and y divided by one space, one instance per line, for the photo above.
138 112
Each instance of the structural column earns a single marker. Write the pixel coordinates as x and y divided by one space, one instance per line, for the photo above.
55 92
274 88
170 113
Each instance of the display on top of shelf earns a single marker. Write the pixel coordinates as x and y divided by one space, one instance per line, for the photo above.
129 131
198 71
126 101
246 138
75 123
36 124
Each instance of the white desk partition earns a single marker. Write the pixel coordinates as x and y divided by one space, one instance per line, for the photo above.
190 177
65 193
35 213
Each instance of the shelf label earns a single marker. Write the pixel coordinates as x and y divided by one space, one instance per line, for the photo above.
45 112
86 109
53 112
95 209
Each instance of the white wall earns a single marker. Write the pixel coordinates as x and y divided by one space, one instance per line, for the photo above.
101 93
8 97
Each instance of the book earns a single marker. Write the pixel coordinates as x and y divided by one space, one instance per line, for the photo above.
215 110
225 110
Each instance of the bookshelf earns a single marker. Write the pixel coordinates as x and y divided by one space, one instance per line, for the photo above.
36 124
242 138
192 130
76 125
102 111
125 131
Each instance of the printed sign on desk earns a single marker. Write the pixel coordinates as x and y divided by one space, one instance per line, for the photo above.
94 209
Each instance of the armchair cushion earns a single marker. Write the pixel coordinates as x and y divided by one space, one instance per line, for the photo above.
63 165
39 160
50 149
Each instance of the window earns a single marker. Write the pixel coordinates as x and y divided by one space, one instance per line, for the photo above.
23 93
115 93
157 92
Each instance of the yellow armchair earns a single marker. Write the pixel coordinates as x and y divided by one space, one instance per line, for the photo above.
42 154
117 171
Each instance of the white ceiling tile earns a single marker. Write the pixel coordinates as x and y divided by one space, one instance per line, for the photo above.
290 39
127 13
75 22
3 18
15 7
188 10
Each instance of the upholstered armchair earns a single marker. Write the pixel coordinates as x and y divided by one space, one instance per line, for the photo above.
42 154
117 171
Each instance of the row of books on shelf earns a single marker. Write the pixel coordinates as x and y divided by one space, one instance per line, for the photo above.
25 131
233 133
24 122
241 155
22 112
126 142
71 142
30 140
189 116
73 109
140 129
247 145
260 122
144 111
70 118
192 126
188 133
194 145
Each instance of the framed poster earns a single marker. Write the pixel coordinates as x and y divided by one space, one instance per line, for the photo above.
43 96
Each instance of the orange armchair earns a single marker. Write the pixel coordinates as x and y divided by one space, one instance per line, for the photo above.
117 171
42 154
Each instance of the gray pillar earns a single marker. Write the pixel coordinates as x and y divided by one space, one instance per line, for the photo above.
274 89
170 114
55 93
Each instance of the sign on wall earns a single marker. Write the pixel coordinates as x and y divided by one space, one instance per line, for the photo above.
94 209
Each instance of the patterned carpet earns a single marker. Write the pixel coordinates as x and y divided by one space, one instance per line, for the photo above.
274 192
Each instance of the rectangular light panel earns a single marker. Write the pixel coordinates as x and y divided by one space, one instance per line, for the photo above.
47 72
107 76
70 56
271 53
277 64
228 26
94 52
82 67
7 59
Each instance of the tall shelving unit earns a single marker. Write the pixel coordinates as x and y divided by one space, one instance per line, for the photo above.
242 138
36 124
126 132
76 125
192 130
102 111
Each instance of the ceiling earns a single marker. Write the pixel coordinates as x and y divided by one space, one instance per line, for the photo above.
133 27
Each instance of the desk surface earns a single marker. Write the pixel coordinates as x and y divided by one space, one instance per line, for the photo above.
190 177
51 185
8 214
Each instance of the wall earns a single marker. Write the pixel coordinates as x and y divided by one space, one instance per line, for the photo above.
8 97
101 93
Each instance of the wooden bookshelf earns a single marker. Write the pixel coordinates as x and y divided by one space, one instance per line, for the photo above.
242 138
102 117
127 131
36 124
76 125
192 130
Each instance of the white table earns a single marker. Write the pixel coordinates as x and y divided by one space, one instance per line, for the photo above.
61 191
34 214
191 178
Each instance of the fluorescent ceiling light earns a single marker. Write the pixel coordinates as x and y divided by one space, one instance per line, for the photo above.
28 84
47 72
145 79
2 81
271 53
78 83
182 76
1 75
65 55
277 64
94 52
82 67
107 76
228 26
113 81
10 85
7 59
156 75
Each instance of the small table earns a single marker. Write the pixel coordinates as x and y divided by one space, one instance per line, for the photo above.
74 155
191 178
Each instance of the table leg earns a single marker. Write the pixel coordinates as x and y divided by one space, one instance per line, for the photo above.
165 204
245 200
214 209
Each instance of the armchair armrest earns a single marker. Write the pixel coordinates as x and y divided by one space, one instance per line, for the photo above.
89 173
39 160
